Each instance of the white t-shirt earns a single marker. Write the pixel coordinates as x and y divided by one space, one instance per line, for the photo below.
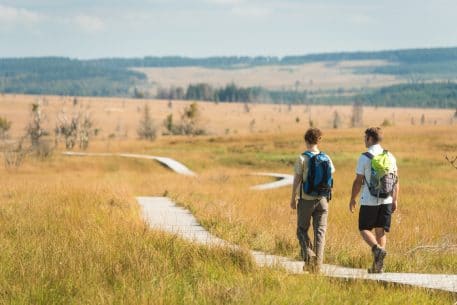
301 168
364 168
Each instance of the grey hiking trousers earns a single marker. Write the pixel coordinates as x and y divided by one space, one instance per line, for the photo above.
317 209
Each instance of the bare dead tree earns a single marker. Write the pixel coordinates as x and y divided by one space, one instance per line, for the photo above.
35 128
452 161
246 108
147 129
15 153
357 114
336 120
85 130
77 128
67 128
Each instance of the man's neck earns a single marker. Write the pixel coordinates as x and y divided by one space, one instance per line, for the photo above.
312 147
373 145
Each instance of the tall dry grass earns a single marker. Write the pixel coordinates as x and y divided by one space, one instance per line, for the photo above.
71 233
119 117
220 197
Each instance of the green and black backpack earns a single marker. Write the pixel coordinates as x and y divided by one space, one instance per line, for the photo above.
383 178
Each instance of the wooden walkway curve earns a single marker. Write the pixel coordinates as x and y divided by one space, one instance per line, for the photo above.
283 180
162 214
168 162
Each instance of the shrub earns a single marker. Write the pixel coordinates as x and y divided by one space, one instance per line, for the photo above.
5 126
189 124
423 119
147 130
42 148
357 115
190 120
14 154
336 120
386 123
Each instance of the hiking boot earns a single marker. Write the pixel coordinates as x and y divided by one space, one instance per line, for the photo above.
315 266
312 266
378 260
316 269
306 269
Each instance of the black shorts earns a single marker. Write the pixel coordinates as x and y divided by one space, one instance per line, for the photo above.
378 216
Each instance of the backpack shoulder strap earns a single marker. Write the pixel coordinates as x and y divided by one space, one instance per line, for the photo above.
368 155
322 153
308 154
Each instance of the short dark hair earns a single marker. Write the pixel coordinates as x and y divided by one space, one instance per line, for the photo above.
375 133
313 136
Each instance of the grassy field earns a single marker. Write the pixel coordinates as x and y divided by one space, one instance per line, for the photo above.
310 76
118 118
71 232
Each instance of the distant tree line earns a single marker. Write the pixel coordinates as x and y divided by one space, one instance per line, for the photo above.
178 61
232 93
64 76
408 56
430 95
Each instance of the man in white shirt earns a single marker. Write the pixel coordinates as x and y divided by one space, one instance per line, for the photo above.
375 213
310 206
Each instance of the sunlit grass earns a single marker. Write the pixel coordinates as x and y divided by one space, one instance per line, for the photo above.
71 232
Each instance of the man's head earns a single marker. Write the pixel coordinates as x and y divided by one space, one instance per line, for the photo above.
373 135
313 136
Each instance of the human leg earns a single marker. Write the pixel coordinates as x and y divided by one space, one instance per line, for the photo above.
381 237
369 237
304 212
368 219
320 216
382 226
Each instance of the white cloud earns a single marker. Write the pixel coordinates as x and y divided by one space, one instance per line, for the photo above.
89 23
251 11
13 15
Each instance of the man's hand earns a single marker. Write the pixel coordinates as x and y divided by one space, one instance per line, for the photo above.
356 186
293 204
352 204
394 206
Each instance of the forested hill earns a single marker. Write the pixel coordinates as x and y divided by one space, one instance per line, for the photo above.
64 76
113 76
410 56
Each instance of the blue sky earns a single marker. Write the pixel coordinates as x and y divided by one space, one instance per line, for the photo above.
198 28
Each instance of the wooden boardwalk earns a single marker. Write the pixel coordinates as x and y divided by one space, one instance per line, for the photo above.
168 162
162 214
282 180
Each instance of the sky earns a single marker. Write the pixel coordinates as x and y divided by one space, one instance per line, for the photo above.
200 28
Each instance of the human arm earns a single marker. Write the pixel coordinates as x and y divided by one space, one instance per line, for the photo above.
356 186
297 181
395 196
332 166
